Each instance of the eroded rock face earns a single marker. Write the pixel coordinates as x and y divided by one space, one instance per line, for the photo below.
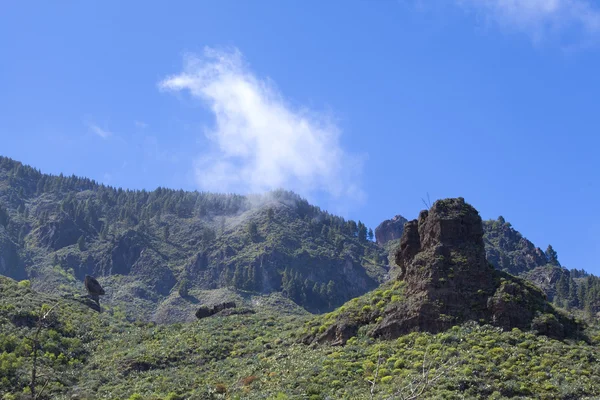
390 229
442 261
126 252
448 281
58 234
546 278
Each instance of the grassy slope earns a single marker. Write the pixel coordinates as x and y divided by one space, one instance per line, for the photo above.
259 356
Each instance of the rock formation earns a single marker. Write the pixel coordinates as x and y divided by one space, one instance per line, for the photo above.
448 281
206 311
94 288
390 229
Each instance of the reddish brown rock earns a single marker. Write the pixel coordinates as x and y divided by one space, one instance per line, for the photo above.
448 281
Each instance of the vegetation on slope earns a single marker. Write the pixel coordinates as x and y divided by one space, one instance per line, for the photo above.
56 229
573 290
88 355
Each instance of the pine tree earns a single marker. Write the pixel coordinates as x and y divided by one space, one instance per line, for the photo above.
352 228
252 231
371 234
81 243
552 256
362 232
316 289
573 301
323 290
562 290
330 292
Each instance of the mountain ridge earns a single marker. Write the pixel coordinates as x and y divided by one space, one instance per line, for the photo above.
156 244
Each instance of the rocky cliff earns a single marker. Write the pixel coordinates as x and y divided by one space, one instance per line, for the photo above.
446 280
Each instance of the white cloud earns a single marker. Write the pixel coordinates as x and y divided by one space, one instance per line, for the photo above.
541 18
103 133
260 142
140 124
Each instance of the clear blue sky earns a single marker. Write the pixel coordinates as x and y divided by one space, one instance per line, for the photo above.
361 106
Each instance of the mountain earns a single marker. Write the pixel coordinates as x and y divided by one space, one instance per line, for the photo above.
254 350
507 250
164 251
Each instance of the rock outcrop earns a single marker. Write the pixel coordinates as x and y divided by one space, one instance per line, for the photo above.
206 311
390 229
448 281
546 278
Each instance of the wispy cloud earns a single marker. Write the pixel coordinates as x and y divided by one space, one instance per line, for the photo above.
103 133
259 141
542 18
140 124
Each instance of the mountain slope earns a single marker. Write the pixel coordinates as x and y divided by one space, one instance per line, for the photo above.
509 251
150 247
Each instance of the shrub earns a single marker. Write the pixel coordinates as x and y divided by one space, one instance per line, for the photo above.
25 283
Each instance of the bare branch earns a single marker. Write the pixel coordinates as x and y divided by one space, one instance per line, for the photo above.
36 342
428 376
374 381
39 395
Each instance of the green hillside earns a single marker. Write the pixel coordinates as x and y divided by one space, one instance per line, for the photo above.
88 355
163 246
403 331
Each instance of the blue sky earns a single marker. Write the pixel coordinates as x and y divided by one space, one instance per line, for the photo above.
363 107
